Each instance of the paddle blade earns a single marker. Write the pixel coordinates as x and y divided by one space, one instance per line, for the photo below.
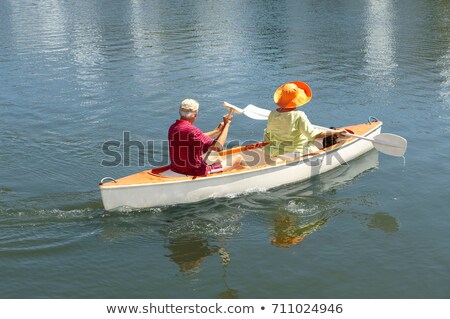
233 108
256 113
390 144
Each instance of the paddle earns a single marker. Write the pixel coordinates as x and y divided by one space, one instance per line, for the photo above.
205 158
386 143
250 110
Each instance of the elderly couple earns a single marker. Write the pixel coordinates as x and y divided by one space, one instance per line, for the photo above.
288 131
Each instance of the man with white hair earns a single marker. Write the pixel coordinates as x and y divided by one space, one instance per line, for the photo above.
188 143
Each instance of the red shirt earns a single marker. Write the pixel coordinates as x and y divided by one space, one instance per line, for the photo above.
187 144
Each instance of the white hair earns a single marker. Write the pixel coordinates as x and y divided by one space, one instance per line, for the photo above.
188 108
187 114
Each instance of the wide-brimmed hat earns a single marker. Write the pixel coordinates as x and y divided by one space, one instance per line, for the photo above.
292 94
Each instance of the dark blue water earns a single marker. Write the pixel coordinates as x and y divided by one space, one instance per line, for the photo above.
74 75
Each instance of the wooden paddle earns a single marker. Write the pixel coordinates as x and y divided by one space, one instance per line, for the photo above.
205 158
386 143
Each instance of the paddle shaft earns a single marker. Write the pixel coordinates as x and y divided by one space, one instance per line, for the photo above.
371 140
210 150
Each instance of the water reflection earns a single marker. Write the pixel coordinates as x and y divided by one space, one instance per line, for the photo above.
381 220
46 26
380 41
303 209
191 237
188 252
445 73
290 229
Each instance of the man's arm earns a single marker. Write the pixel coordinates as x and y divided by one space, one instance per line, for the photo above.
216 131
220 141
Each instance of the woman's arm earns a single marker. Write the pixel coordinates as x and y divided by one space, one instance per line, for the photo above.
330 132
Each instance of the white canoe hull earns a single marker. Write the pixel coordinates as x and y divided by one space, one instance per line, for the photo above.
140 196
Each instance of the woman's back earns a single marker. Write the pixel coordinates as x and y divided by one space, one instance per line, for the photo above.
289 132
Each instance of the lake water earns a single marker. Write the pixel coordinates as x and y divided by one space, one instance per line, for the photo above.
76 74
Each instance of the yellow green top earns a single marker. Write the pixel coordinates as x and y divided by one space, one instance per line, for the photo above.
290 132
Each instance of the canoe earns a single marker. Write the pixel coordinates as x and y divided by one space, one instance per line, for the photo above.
161 187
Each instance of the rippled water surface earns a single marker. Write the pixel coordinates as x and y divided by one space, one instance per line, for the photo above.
76 74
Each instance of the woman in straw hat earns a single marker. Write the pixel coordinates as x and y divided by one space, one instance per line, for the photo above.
288 130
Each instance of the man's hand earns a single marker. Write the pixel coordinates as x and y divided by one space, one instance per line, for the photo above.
227 118
220 127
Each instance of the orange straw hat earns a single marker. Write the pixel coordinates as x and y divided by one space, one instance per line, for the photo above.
292 94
